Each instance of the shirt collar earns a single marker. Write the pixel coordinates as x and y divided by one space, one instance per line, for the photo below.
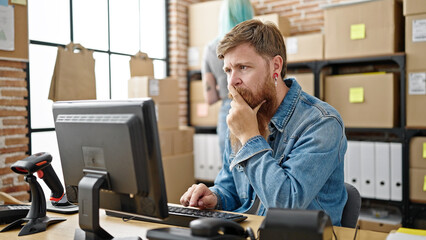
287 106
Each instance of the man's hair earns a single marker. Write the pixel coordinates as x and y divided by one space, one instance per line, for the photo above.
264 37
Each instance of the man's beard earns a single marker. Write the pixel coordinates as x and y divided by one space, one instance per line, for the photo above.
265 113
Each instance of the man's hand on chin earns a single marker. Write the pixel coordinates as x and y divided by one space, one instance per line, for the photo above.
242 119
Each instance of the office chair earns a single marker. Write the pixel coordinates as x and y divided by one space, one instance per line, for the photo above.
352 207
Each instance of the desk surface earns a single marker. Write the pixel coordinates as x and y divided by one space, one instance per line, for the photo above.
117 228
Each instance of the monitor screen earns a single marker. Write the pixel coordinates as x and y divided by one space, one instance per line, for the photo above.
117 139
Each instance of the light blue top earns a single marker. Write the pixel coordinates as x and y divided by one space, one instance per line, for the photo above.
300 166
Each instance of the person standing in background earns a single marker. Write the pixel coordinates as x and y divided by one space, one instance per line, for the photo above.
214 79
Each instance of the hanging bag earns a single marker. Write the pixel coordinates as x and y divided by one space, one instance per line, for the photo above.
74 74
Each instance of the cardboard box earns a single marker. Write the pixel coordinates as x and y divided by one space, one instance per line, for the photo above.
166 142
203 22
167 115
305 80
196 91
415 41
178 174
195 57
282 23
412 7
364 100
183 140
418 152
418 185
307 47
204 115
160 90
416 99
378 226
363 29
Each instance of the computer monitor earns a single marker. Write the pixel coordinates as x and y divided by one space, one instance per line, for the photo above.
110 150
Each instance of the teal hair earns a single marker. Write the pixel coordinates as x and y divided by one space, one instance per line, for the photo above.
233 12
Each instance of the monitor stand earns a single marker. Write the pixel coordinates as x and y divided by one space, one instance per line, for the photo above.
88 202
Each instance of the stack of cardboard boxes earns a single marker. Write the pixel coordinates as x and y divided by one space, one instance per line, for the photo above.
368 100
176 142
359 30
415 48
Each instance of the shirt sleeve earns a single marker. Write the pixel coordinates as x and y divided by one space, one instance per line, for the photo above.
294 180
224 185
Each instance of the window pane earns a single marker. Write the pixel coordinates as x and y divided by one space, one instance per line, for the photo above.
49 21
90 23
42 59
160 69
120 74
153 28
102 75
124 23
46 142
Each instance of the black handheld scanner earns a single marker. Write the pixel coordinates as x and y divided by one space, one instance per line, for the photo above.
40 163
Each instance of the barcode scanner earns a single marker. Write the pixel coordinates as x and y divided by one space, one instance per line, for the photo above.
40 163
36 219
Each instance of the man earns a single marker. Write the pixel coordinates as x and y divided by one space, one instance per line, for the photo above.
285 147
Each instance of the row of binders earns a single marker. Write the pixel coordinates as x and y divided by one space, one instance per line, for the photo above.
375 169
207 159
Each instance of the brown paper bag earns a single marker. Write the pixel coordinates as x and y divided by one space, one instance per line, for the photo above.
74 74
141 65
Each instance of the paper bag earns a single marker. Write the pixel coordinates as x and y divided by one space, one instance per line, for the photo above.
141 65
74 74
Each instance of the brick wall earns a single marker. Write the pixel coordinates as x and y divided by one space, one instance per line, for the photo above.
306 16
13 126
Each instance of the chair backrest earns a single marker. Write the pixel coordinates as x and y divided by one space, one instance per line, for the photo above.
352 207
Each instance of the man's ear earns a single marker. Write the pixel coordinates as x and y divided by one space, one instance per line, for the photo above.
277 64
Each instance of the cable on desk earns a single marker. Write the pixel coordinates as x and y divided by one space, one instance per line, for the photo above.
126 219
334 233
356 231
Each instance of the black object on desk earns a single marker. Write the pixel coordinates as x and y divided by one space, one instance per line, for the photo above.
36 219
295 224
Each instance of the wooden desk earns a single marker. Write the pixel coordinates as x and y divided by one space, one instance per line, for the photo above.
117 228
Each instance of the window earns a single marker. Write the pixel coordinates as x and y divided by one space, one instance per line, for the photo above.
115 30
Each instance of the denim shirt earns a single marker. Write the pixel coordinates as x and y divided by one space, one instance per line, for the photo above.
299 166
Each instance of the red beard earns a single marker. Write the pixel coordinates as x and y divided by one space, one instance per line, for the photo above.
266 111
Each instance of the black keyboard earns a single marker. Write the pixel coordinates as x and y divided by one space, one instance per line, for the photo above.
10 213
182 216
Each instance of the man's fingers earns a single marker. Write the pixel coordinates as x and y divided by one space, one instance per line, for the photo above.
236 96
186 197
198 193
207 201
256 109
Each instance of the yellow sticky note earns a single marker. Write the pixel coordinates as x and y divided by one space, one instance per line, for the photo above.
356 95
21 2
357 31
411 231
424 150
424 184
